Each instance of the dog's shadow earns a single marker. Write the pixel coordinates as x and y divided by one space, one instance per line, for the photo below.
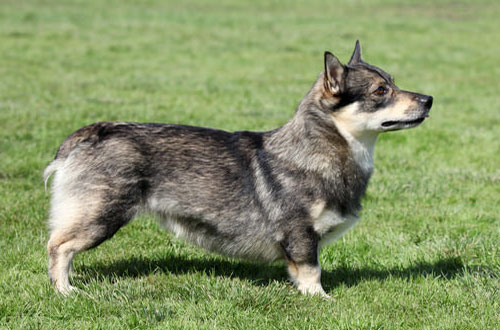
263 274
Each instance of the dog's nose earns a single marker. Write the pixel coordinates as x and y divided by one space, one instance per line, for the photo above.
426 101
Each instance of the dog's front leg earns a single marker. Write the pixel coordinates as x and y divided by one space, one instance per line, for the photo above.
301 251
307 278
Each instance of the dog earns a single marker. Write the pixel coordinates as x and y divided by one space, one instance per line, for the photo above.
281 194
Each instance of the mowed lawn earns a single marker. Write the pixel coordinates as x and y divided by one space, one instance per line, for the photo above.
427 251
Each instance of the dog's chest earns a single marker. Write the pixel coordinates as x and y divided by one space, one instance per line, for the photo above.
331 225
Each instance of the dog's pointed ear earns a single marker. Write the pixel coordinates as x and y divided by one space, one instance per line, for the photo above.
356 55
333 73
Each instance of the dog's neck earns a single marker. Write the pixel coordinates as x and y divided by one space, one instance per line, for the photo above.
318 142
362 148
362 142
315 142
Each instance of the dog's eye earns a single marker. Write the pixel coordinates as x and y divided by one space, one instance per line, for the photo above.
381 90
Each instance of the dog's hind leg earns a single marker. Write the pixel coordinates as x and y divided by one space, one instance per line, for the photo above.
61 250
79 225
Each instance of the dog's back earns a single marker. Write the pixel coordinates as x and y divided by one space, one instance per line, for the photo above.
208 186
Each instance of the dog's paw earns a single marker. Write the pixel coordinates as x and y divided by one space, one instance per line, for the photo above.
313 289
66 290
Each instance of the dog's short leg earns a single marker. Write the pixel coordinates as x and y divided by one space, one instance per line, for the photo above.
61 251
79 225
306 277
301 251
65 244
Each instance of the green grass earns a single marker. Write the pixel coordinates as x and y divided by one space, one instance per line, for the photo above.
426 253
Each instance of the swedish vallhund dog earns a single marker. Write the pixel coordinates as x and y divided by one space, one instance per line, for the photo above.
281 194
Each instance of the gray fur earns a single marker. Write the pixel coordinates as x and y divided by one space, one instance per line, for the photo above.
243 194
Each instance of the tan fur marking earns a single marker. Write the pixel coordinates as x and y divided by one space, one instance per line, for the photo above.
317 208
307 278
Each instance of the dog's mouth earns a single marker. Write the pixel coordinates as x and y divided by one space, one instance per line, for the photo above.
403 123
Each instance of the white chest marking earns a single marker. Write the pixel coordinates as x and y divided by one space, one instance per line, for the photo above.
355 128
330 225
363 153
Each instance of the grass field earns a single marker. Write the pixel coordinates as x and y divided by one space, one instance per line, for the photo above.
426 253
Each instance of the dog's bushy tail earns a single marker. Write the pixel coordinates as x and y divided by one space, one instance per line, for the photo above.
50 169
68 145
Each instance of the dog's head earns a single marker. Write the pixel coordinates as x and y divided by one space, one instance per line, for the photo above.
364 98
